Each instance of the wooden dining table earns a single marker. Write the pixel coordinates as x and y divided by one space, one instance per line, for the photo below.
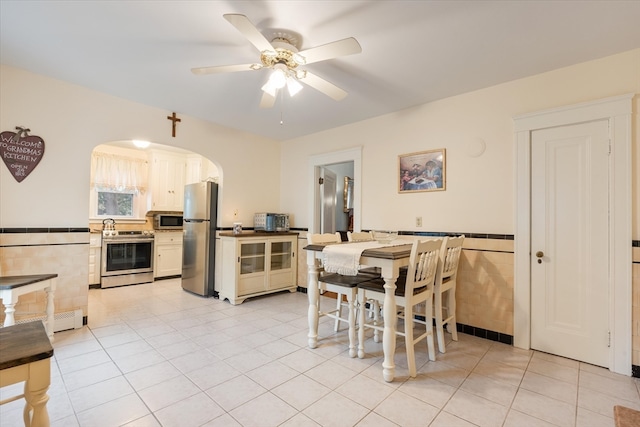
389 259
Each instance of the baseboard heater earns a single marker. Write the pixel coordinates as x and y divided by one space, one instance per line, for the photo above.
61 321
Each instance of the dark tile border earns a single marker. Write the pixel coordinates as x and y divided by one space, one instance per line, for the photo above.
17 230
44 230
457 233
486 334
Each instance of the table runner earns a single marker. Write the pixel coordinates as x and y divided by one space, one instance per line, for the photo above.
345 258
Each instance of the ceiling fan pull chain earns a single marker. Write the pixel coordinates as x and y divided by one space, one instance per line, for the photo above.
281 94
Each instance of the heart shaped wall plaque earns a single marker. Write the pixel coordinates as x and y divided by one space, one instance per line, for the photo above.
21 152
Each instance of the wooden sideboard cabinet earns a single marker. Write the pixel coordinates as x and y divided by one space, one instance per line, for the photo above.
255 263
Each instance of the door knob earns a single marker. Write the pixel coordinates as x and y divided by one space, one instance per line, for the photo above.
539 254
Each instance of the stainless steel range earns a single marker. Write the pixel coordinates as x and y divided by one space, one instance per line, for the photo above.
127 257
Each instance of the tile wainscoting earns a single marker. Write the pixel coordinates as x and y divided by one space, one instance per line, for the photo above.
485 279
64 251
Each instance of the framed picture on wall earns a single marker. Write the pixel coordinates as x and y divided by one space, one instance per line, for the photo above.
422 171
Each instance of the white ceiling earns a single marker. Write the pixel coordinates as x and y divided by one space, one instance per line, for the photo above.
413 52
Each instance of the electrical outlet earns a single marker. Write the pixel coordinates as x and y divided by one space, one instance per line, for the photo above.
418 221
235 214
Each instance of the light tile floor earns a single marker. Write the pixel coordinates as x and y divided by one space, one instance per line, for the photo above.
154 355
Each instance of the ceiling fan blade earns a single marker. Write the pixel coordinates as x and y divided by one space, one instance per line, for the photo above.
249 30
324 86
267 100
331 50
225 69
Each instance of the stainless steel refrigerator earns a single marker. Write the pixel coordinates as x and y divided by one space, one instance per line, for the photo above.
199 238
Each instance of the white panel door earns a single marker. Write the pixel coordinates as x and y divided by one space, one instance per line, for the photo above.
328 197
569 242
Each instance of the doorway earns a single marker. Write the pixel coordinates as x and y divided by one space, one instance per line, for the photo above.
327 188
616 112
316 164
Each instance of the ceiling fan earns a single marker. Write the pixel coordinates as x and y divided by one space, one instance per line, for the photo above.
281 55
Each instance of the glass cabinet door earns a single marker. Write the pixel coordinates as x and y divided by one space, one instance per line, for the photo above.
280 255
252 257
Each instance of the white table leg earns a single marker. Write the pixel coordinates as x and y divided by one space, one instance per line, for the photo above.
9 309
389 334
352 324
50 308
313 294
35 394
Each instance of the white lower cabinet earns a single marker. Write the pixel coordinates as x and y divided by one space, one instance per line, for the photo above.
167 254
95 258
257 264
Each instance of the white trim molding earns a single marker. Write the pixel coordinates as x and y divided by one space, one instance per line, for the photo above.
618 112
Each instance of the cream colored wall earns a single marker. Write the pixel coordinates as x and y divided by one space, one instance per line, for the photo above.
480 190
73 120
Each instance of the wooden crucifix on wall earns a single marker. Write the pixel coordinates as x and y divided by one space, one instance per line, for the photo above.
174 119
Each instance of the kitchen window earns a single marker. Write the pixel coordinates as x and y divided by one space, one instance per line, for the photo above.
111 203
118 186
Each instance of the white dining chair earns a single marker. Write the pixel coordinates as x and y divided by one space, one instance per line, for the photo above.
363 236
412 289
444 292
359 236
343 286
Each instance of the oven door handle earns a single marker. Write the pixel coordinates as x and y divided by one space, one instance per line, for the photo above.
109 241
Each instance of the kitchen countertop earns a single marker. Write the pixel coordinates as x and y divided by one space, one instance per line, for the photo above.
258 234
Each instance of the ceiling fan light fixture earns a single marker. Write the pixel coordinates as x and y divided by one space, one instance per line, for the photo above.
278 77
293 86
269 88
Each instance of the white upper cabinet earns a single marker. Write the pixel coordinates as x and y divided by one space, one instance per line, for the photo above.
200 169
167 180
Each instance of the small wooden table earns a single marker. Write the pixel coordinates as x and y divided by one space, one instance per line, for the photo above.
11 287
389 259
25 355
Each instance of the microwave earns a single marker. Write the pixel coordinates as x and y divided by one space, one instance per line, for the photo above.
167 222
271 222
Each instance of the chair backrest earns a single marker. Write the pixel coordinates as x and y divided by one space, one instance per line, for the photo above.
359 236
423 265
316 238
450 256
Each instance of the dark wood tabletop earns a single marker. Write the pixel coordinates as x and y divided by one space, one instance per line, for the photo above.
24 343
12 282
389 252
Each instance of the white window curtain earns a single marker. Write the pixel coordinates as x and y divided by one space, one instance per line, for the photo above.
118 173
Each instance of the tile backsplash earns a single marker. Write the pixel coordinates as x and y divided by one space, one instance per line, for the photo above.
42 251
